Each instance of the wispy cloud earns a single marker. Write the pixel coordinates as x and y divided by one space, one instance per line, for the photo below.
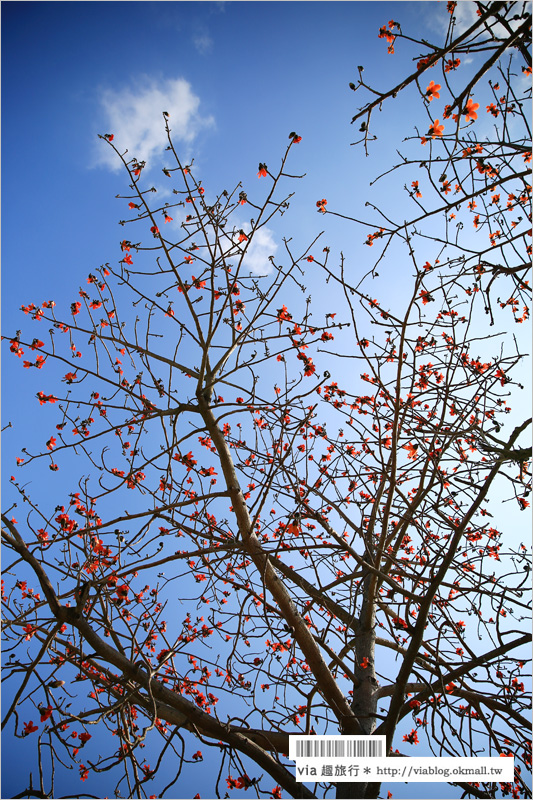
134 116
258 251
465 15
203 43
261 247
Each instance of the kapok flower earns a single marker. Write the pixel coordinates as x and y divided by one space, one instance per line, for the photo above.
436 129
283 314
262 171
29 727
432 91
417 191
411 450
470 109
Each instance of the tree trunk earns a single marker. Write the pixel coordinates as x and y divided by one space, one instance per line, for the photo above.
357 791
364 703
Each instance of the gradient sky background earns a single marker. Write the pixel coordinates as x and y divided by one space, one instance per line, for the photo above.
236 78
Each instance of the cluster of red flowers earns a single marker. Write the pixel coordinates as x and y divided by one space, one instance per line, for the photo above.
386 33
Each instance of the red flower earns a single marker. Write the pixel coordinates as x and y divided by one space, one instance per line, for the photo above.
309 366
321 206
451 64
436 129
51 443
128 259
208 471
432 91
46 713
412 450
262 171
16 348
283 314
412 737
46 398
470 109
29 727
293 528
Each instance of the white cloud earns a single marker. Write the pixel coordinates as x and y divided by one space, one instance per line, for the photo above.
135 118
261 247
203 43
256 258
465 15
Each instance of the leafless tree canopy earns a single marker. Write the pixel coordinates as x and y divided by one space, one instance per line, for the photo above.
246 546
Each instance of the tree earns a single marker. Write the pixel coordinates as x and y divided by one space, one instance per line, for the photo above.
257 546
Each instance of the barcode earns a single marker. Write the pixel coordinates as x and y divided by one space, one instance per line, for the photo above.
327 747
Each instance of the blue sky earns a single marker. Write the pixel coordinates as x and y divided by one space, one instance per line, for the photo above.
236 78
